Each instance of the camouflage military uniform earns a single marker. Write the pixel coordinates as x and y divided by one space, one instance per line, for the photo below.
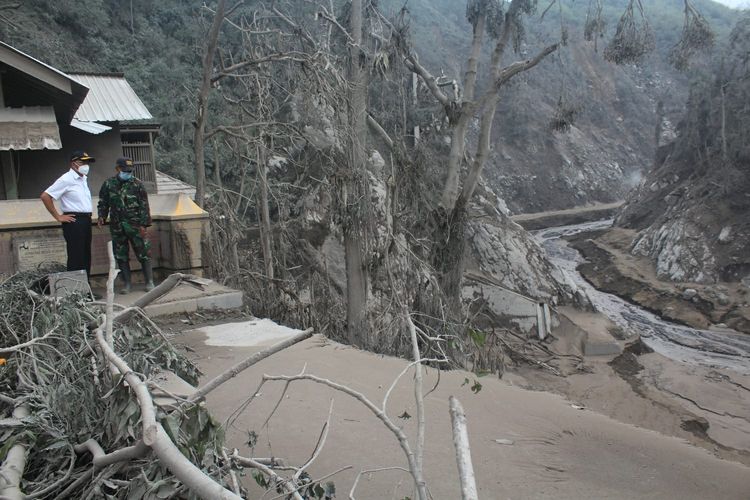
126 203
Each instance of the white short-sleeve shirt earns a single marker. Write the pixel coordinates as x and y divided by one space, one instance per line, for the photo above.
73 192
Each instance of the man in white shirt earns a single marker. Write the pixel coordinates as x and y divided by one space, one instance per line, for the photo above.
72 189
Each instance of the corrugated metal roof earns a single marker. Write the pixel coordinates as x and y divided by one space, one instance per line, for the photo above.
48 74
166 184
110 99
90 127
37 61
33 127
34 114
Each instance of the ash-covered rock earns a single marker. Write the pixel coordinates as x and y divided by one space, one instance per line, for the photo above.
692 211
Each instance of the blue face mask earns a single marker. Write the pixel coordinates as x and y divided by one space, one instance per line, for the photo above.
125 176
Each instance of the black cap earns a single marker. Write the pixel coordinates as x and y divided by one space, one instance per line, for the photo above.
125 164
81 155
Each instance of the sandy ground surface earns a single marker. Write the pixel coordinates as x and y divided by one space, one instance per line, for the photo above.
707 407
557 451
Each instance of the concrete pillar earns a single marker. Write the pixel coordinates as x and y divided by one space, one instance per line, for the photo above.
547 317
540 325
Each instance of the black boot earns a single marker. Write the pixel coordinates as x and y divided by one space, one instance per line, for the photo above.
125 273
148 274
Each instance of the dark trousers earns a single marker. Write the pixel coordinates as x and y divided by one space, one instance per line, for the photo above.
78 242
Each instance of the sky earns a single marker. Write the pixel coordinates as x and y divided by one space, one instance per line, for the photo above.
735 3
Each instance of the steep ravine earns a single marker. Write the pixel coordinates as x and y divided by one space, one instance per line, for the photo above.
691 213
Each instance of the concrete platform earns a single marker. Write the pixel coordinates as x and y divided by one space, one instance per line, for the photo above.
260 332
189 296
594 329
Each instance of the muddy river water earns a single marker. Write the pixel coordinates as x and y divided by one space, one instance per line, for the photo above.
721 348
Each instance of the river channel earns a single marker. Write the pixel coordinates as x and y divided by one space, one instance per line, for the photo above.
721 348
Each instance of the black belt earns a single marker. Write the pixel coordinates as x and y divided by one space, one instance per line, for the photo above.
78 214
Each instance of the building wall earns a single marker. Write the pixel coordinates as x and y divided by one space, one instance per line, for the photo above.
29 237
39 169
175 246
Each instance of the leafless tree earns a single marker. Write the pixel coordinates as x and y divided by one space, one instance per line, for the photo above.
503 24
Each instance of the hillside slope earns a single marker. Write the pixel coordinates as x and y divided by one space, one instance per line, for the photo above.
158 46
692 211
611 142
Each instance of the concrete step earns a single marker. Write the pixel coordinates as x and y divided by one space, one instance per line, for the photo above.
199 294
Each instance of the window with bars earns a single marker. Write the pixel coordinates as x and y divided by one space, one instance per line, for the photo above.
140 147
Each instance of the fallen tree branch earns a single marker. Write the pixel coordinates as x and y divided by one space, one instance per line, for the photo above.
102 460
11 422
272 462
317 480
110 309
18 347
7 400
232 474
154 435
15 462
243 365
56 484
161 289
403 372
418 395
397 431
318 446
286 484
463 454
157 439
370 471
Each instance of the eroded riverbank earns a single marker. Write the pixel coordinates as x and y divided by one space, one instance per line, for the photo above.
611 267
696 385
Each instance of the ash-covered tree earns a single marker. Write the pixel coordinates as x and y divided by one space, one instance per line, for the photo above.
716 127
347 56
501 23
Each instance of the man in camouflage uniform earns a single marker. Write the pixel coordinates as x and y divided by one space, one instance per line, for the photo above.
123 198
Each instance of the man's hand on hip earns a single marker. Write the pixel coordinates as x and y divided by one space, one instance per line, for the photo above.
142 230
65 218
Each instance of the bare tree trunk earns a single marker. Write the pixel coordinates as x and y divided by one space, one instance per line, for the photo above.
415 103
724 155
451 236
483 152
472 69
200 119
458 137
217 166
448 255
456 155
451 220
265 222
356 277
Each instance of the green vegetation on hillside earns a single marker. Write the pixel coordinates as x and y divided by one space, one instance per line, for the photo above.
158 45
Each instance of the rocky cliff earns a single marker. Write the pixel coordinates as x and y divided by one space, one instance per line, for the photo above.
692 210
